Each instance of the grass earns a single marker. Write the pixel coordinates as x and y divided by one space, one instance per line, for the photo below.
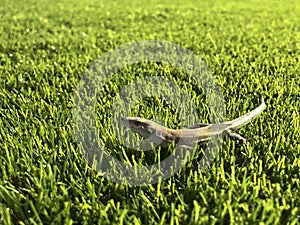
45 48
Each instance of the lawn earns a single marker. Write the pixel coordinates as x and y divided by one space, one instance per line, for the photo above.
46 48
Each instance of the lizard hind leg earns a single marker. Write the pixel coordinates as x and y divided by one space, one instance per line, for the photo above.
238 137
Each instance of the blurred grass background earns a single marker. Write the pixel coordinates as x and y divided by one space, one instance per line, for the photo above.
45 48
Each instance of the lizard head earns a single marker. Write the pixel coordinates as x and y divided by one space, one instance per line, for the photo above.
140 125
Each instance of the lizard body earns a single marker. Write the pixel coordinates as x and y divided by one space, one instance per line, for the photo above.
163 135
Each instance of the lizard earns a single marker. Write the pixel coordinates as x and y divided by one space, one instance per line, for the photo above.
201 132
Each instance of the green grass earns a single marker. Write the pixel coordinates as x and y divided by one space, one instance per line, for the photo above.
45 48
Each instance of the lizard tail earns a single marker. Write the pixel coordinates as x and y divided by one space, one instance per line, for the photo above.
245 119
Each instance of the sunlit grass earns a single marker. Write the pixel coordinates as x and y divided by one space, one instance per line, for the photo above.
45 48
